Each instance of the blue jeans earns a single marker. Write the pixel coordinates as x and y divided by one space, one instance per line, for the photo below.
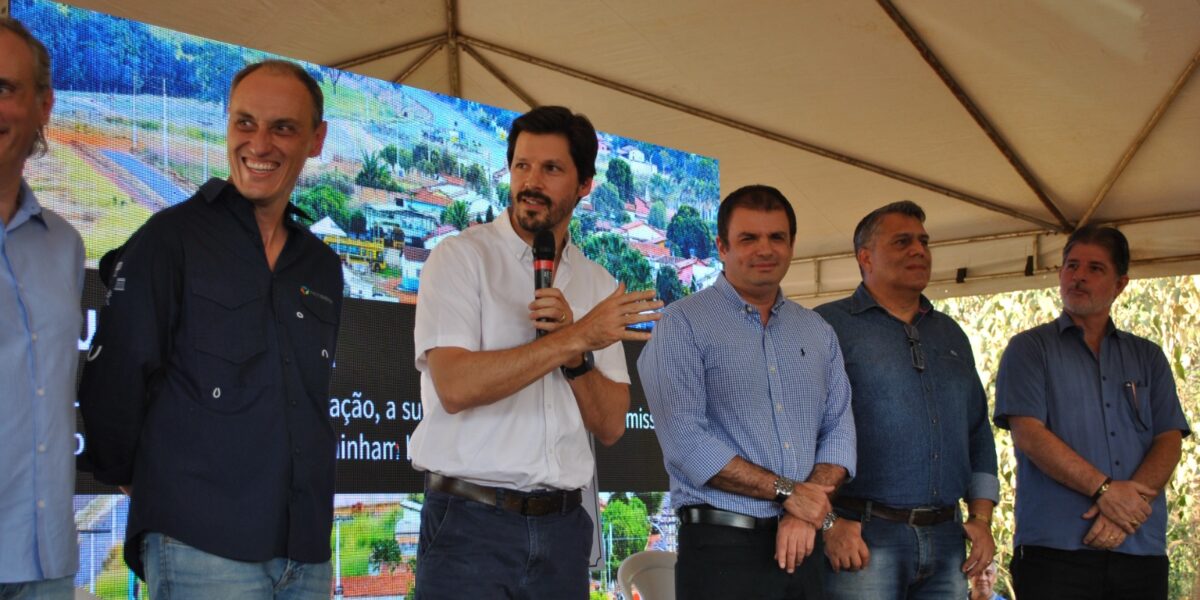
907 562
176 571
472 550
62 588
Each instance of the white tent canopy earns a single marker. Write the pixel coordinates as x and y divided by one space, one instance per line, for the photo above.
1010 122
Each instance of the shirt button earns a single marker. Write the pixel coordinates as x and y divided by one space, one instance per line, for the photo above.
779 406
41 447
787 445
41 391
771 368
1113 433
296 450
935 419
41 504
1118 463
1103 378
33 337
299 315
1107 405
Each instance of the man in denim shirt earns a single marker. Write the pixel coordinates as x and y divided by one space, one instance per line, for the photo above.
924 441
1098 430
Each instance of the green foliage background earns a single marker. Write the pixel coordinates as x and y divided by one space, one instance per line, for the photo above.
1165 311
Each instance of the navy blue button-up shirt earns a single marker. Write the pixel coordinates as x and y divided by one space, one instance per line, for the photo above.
207 382
721 384
1107 409
41 281
923 436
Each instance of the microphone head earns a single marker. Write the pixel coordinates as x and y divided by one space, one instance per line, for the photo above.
543 245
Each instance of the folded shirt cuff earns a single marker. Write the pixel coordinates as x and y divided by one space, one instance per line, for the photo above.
984 486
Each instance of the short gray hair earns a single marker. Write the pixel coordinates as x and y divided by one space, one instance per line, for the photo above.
865 232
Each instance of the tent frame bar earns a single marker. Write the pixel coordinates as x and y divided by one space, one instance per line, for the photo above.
754 130
1013 234
454 39
1140 262
1136 145
1035 234
416 64
500 76
976 113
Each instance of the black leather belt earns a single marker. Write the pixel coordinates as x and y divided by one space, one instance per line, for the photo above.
922 517
708 515
530 504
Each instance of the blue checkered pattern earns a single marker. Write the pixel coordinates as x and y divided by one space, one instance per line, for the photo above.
721 385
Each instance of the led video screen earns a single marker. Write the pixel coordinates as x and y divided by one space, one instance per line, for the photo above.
139 123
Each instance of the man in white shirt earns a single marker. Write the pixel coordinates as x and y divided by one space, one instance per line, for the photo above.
504 439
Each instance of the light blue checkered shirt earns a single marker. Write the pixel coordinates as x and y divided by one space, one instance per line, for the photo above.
720 385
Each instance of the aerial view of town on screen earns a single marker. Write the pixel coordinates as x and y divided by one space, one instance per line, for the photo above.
140 124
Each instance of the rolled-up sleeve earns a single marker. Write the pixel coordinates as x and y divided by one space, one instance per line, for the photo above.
837 441
984 484
671 368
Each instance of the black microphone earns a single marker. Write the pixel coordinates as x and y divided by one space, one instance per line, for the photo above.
543 263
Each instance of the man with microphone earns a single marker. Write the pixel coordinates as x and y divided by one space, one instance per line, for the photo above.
513 380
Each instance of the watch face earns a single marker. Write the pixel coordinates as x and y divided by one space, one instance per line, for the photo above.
784 486
828 522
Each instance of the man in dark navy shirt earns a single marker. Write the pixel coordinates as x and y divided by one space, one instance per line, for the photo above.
204 391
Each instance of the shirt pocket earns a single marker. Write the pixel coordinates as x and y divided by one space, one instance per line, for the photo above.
228 333
1135 400
228 319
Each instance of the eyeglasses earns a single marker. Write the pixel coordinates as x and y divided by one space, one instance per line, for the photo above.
914 344
1131 395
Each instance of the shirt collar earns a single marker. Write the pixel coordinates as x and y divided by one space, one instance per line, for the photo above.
215 189
862 300
1064 323
518 247
28 208
731 294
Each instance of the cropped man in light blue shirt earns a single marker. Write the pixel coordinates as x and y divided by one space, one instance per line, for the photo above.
752 409
41 281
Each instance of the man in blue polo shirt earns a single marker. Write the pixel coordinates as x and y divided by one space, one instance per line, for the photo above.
1098 429
41 280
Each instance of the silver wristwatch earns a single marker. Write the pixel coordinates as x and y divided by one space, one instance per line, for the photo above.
783 489
827 524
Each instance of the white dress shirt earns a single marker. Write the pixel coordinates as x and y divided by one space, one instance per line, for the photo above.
474 294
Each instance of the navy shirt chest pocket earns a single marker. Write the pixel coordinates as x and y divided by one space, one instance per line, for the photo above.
230 318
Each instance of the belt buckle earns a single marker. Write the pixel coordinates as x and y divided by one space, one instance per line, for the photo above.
912 514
